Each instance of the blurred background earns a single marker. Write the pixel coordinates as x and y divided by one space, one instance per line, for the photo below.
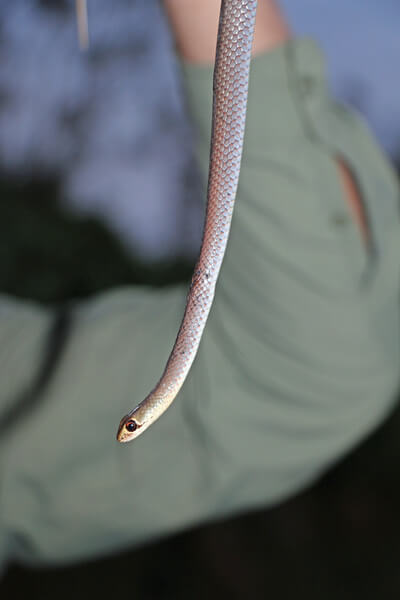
99 188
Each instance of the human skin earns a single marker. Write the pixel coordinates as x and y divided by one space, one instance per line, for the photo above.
194 24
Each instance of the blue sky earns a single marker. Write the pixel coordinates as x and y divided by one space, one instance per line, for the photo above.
361 39
111 125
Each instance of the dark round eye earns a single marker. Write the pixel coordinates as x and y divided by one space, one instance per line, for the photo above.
131 425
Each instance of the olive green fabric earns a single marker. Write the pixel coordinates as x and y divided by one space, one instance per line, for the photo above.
299 361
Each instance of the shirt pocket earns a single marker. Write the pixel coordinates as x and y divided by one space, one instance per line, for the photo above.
356 220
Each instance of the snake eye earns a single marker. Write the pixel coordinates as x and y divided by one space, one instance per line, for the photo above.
131 426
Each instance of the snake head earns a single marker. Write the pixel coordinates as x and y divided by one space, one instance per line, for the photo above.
128 429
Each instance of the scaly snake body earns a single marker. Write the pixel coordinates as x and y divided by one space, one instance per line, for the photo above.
231 75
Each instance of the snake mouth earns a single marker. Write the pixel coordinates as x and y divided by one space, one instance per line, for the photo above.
121 434
127 428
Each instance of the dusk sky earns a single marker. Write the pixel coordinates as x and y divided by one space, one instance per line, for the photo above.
111 123
362 43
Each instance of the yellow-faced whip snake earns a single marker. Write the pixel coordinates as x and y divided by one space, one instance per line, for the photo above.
231 76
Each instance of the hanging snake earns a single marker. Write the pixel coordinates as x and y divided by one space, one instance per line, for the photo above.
230 89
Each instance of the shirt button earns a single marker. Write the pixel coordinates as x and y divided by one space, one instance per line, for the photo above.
307 84
339 219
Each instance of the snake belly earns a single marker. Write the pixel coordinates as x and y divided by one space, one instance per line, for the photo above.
230 89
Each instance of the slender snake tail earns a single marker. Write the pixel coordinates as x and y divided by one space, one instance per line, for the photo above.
231 77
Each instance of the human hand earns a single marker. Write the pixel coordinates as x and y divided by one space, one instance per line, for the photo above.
195 24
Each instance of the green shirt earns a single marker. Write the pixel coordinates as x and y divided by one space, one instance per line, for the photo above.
299 361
